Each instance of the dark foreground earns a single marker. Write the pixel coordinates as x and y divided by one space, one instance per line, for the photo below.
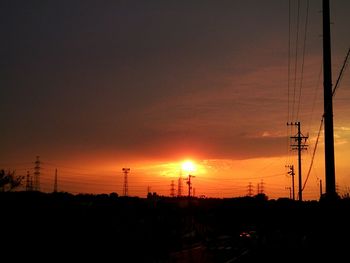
107 228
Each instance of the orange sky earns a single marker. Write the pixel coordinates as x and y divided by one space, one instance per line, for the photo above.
147 85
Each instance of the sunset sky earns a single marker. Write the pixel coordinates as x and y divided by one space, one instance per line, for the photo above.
95 86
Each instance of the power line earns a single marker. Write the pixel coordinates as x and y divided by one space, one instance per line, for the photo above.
317 87
296 58
303 57
313 154
66 167
345 64
289 48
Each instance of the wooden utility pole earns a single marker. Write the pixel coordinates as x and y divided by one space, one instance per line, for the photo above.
292 173
328 104
290 192
300 139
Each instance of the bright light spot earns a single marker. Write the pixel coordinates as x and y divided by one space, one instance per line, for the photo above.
188 166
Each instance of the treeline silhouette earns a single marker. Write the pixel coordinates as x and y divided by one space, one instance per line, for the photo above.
106 227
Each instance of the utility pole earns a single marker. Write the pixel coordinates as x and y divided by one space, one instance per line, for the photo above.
172 188
292 173
299 138
290 192
261 186
149 191
125 188
328 104
37 174
179 186
55 184
29 182
189 183
250 189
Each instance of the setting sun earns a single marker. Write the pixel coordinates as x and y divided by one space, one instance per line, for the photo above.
188 166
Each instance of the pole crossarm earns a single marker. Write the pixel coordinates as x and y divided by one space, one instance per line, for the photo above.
291 173
301 145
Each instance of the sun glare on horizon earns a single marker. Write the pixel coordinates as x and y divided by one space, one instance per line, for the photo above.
188 166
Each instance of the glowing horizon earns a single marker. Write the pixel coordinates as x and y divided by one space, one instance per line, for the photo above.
165 86
218 178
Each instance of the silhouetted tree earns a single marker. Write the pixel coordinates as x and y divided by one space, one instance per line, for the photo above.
113 195
261 196
9 181
346 194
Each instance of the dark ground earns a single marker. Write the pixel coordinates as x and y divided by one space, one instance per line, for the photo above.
107 228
